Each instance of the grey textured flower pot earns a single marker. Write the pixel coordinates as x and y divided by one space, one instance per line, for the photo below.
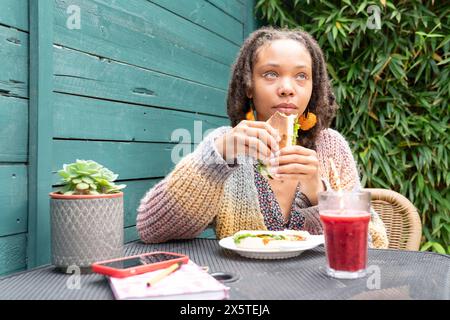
85 229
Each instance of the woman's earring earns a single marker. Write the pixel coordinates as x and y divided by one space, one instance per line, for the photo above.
250 115
307 120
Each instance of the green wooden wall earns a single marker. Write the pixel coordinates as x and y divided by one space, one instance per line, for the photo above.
113 91
13 134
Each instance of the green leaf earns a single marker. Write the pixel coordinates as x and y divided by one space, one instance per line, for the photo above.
426 246
347 2
321 22
65 189
334 31
420 182
82 186
427 35
445 61
391 5
87 180
361 7
438 248
331 70
64 174
102 182
395 68
447 227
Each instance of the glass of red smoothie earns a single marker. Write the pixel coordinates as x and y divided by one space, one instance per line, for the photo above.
345 219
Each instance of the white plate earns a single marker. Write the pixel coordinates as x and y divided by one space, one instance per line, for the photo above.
281 253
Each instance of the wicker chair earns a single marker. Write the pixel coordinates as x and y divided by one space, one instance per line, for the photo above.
400 217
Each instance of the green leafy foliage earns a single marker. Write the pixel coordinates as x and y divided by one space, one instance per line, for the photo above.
88 178
393 87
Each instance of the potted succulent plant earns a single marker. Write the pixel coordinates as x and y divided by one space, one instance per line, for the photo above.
86 216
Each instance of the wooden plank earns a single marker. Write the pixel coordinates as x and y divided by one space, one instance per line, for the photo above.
233 8
131 234
185 33
13 129
206 15
14 63
14 13
128 160
13 199
133 194
78 118
149 18
208 233
130 39
105 79
13 253
40 124
250 18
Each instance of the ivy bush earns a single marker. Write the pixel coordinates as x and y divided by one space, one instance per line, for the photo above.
389 66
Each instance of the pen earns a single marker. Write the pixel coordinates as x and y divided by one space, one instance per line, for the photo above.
164 274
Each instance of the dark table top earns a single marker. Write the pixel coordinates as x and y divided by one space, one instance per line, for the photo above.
392 275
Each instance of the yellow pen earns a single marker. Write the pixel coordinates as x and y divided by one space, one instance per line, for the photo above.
164 274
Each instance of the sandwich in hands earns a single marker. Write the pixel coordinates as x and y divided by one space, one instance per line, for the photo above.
260 239
287 126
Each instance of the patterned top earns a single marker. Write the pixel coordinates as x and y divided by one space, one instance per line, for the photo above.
271 210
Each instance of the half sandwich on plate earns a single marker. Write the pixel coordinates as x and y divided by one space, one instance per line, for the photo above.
261 239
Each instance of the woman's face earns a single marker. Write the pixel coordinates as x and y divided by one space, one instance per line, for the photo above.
282 79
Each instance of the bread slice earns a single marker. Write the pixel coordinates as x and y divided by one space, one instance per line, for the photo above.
285 124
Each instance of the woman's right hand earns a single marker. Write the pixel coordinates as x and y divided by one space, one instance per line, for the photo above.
251 138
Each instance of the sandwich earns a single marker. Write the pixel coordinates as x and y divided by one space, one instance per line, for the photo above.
251 239
287 126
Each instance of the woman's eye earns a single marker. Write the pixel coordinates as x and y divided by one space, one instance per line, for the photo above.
270 75
302 76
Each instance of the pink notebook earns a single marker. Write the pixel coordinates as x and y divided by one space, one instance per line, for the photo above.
190 282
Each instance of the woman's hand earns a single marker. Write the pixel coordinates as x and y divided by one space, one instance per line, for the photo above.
252 138
300 164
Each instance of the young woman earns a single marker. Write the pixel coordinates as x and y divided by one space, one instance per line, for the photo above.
219 183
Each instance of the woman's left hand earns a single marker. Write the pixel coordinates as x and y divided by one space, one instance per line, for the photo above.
300 164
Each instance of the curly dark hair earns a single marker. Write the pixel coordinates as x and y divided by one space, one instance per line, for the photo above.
322 102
